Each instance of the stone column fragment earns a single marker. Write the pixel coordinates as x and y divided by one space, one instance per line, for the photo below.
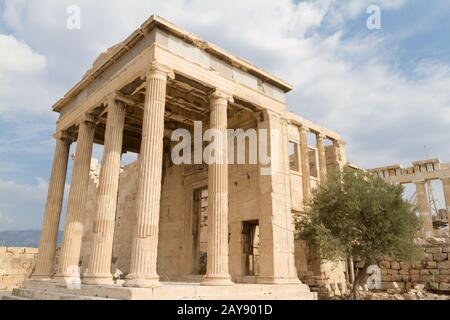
339 149
306 174
217 268
446 185
144 252
322 158
424 208
73 229
99 265
55 195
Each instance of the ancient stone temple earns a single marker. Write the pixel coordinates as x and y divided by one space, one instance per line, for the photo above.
421 173
218 230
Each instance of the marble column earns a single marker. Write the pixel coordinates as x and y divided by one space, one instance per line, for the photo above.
424 208
217 268
99 265
339 149
68 268
55 195
144 249
446 185
322 157
304 155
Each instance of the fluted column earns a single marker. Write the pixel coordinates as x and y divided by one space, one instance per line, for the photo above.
73 228
424 208
322 158
446 185
217 267
304 155
55 195
145 241
99 265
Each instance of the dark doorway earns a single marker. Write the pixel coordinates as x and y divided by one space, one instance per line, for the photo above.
250 232
200 230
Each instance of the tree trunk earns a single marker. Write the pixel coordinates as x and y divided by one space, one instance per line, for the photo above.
362 275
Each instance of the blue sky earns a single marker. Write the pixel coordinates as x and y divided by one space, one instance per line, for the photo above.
385 91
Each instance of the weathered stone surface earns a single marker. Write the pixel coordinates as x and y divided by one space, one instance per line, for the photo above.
443 265
433 250
438 257
432 271
405 265
444 286
16 265
395 265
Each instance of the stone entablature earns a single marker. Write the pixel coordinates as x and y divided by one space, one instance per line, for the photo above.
158 39
432 169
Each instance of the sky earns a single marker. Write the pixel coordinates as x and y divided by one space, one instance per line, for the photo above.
386 91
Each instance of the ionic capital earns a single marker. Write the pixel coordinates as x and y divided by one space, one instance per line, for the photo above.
63 135
267 115
339 143
303 130
158 70
321 136
116 100
89 119
221 95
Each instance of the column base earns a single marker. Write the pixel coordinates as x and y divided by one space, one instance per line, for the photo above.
71 281
142 281
98 279
275 280
217 280
41 277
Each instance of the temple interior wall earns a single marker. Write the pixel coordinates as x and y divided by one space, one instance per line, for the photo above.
183 234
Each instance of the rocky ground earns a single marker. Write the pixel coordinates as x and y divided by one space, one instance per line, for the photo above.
418 293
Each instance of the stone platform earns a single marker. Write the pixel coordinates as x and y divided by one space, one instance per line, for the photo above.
48 290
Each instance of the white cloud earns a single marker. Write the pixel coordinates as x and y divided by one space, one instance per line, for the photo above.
20 69
22 204
347 82
24 193
17 57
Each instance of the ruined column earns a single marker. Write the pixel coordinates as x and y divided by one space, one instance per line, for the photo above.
424 208
55 195
446 185
217 268
304 155
99 265
145 242
322 158
339 149
73 229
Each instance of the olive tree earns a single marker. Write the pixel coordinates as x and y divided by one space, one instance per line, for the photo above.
355 213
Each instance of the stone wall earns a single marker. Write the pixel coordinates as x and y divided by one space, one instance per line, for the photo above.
16 264
433 271
325 277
